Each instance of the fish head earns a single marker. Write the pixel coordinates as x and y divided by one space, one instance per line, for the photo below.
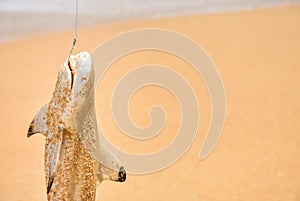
83 120
82 82
78 75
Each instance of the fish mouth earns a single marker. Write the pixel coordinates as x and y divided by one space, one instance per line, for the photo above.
72 73
74 62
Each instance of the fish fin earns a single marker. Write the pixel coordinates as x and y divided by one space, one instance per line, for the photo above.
49 184
38 124
109 167
53 150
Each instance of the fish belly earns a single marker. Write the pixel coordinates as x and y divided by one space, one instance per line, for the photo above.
75 179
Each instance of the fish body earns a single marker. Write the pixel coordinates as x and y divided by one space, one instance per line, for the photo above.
73 155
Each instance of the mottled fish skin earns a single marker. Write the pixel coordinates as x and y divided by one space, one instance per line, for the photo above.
69 124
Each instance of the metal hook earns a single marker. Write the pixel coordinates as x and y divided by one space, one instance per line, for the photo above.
76 33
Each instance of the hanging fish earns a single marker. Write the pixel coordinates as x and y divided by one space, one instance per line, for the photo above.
74 160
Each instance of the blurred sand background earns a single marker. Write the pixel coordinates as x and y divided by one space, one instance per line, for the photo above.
25 17
258 156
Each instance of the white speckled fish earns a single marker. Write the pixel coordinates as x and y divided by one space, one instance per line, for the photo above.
69 124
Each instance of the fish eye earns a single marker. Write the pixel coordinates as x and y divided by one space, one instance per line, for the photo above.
82 93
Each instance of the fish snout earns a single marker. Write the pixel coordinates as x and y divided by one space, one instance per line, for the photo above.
82 59
122 174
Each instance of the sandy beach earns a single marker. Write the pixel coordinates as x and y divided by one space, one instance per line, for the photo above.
257 158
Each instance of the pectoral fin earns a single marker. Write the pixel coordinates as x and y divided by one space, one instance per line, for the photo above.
109 168
38 124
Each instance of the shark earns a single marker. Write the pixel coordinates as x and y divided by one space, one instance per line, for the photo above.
75 162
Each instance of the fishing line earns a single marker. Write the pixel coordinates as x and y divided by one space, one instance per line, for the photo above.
76 32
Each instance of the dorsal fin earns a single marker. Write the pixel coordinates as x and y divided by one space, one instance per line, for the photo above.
109 167
38 124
